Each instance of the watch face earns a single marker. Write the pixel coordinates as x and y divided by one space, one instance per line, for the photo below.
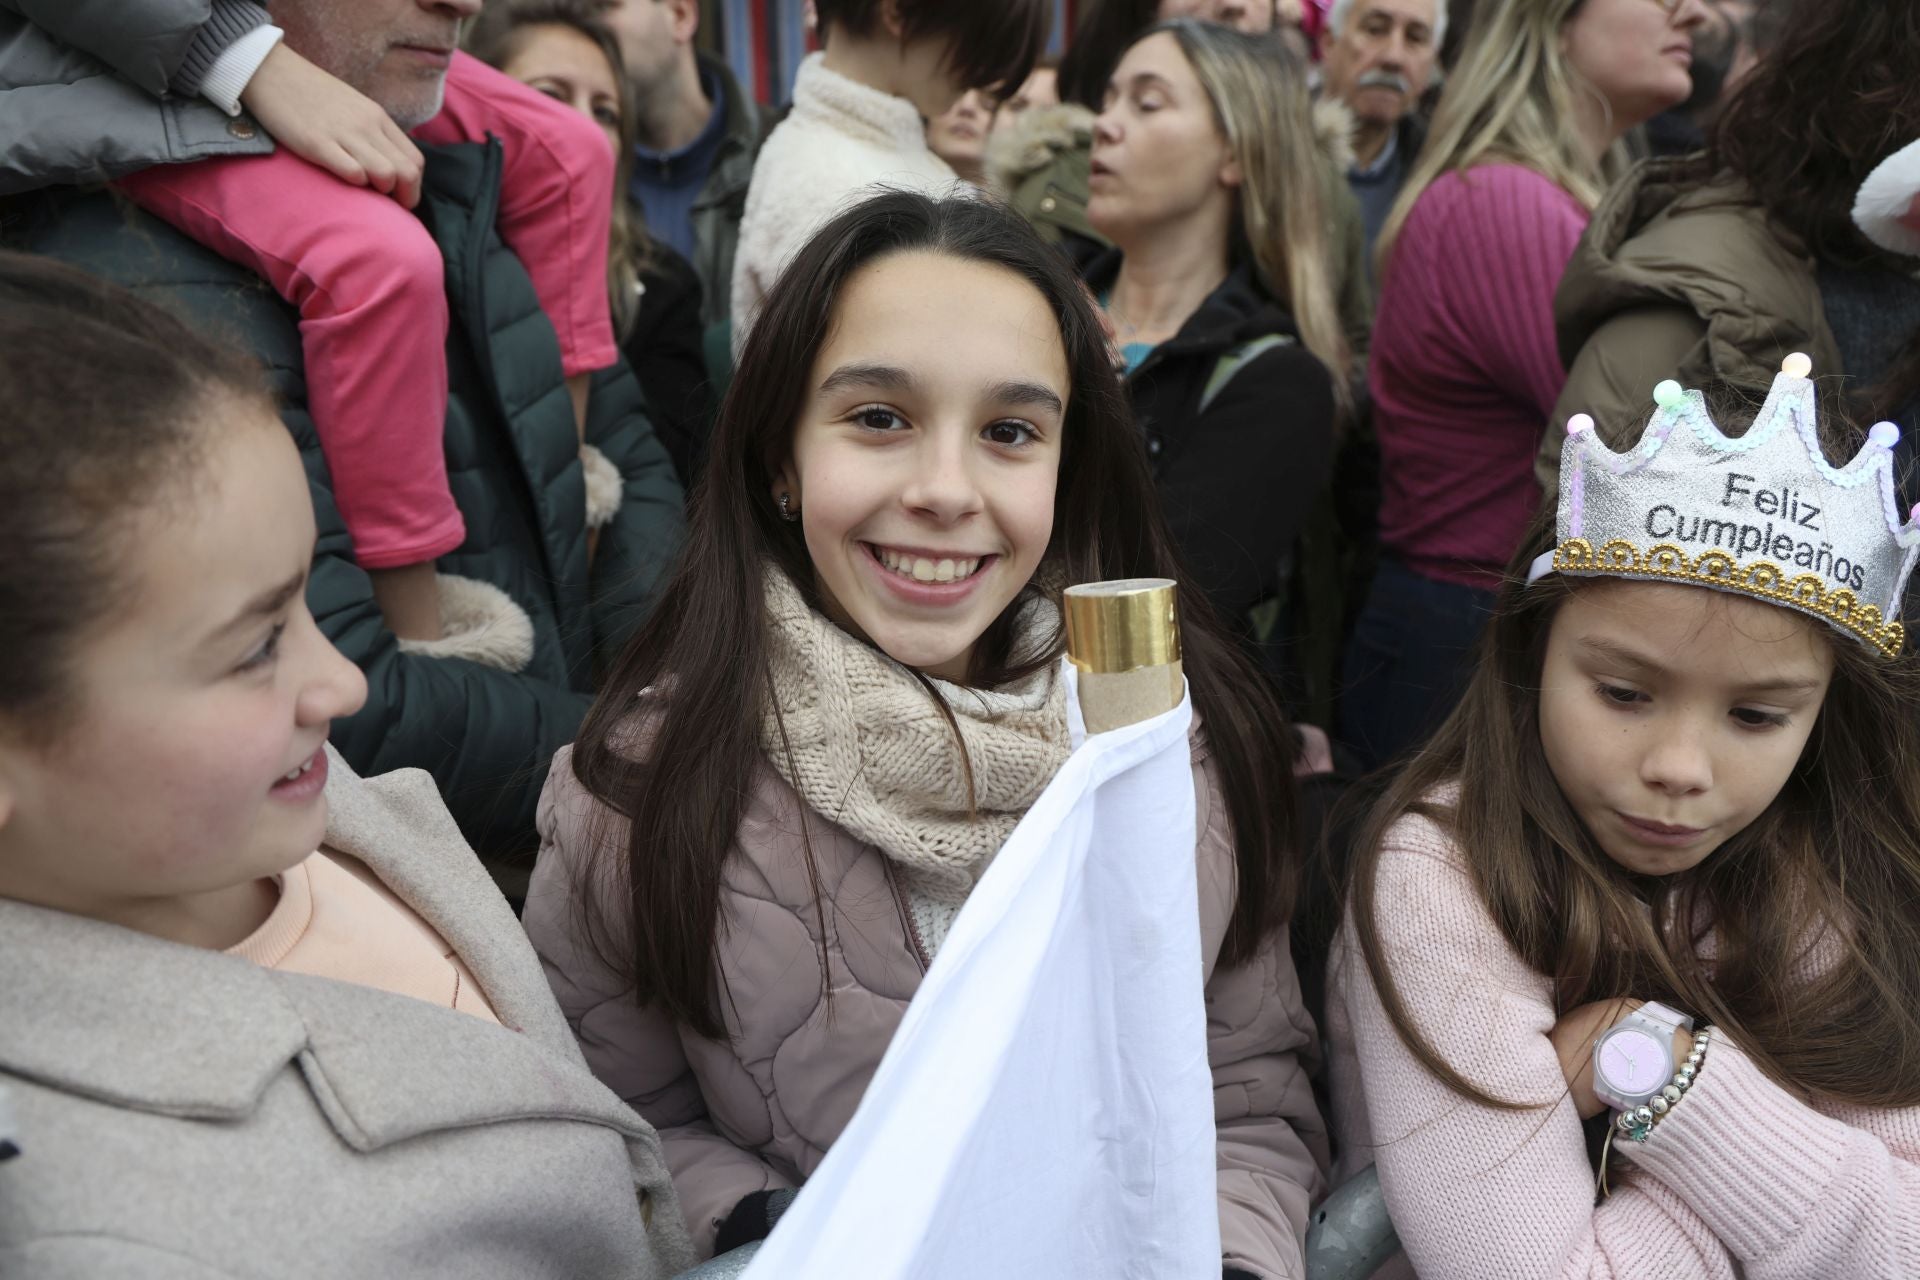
1633 1062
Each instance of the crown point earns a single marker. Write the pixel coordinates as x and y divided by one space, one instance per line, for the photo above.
1884 434
1668 394
1578 423
1797 365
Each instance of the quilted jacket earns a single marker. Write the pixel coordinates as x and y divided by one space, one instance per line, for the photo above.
761 1111
513 464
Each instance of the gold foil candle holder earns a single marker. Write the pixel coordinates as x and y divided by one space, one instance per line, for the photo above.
1124 639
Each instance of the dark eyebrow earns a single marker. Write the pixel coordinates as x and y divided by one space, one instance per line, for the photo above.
268 602
883 377
1030 394
1642 664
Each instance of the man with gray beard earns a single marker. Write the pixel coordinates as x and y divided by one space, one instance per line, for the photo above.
1377 58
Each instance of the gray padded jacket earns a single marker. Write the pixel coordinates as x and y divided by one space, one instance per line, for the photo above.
94 89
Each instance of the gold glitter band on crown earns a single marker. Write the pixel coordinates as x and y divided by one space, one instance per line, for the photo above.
1761 579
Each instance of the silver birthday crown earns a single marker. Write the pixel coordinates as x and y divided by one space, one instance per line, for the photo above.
1765 515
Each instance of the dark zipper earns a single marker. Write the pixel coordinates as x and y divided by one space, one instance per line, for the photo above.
906 916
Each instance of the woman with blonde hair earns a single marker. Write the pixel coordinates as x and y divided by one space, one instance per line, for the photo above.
1464 370
1221 294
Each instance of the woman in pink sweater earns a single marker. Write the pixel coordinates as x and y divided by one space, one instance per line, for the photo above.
1646 901
1464 370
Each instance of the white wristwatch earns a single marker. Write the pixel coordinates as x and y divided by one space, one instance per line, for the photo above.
1633 1060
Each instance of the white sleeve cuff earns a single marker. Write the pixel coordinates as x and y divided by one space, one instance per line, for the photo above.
234 69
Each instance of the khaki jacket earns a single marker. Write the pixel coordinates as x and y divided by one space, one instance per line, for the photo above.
184 1114
1684 280
761 1112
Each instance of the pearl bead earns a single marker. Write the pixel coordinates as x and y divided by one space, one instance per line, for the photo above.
1693 1059
1643 1115
1681 1083
1659 1106
1668 395
1797 364
1671 1093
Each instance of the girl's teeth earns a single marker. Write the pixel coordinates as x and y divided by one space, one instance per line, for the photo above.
292 774
923 570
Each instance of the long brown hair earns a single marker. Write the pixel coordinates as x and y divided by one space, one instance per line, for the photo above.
1834 859
652 904
496 37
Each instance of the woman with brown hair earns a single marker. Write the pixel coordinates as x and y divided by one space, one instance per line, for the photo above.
560 48
1715 266
850 696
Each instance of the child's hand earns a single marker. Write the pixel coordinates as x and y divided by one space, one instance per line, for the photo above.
329 123
1573 1038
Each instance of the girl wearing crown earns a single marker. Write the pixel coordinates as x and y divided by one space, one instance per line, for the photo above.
1648 899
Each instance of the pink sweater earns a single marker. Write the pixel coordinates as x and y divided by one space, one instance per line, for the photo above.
1465 370
1742 1179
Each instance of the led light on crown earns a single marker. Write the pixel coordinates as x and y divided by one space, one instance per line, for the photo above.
1764 515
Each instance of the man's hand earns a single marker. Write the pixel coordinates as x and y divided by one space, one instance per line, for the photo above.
331 124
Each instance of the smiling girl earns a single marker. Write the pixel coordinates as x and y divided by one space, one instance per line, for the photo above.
257 1016
1657 873
849 698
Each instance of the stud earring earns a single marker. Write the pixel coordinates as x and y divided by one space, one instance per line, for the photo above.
786 508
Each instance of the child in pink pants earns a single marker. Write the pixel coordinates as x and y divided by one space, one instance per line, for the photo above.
368 280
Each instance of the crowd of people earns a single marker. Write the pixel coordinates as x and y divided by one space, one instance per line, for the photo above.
530 595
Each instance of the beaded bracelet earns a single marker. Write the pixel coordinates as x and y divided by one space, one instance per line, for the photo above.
1635 1123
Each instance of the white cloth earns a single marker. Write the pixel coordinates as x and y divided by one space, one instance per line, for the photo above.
1046 1107
841 143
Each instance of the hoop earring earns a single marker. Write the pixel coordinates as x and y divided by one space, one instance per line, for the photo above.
787 512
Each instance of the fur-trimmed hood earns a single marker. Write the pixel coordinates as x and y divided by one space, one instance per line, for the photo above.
1032 142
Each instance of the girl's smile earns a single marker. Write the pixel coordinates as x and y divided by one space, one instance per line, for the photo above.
924 464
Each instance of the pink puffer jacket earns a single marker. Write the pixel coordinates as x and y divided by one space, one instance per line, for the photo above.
761 1112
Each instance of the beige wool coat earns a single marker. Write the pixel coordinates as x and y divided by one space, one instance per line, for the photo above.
761 1112
184 1114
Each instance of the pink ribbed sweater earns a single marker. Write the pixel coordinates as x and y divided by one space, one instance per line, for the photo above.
1464 368
1742 1179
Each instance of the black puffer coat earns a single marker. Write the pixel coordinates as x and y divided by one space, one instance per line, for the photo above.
485 735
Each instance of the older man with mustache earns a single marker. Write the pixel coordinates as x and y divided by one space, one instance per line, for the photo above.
1377 58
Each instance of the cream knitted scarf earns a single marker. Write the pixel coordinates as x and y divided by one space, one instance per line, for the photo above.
867 749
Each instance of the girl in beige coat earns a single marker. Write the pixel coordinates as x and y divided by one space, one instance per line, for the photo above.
847 701
255 1020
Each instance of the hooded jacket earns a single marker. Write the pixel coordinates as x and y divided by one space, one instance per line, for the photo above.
1678 279
208 1117
759 1112
514 467
1239 476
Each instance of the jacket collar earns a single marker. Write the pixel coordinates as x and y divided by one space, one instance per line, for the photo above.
108 1013
740 114
854 110
1239 308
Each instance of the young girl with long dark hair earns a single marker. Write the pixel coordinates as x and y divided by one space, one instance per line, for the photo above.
848 698
1658 873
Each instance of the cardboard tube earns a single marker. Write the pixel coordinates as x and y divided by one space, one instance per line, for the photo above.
1124 640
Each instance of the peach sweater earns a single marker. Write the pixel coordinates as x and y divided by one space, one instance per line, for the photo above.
335 919
1742 1179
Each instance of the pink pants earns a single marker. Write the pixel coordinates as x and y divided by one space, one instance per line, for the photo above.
369 284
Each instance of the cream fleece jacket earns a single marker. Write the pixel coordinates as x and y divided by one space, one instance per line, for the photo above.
841 142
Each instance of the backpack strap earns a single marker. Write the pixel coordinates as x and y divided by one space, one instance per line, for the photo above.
1235 359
